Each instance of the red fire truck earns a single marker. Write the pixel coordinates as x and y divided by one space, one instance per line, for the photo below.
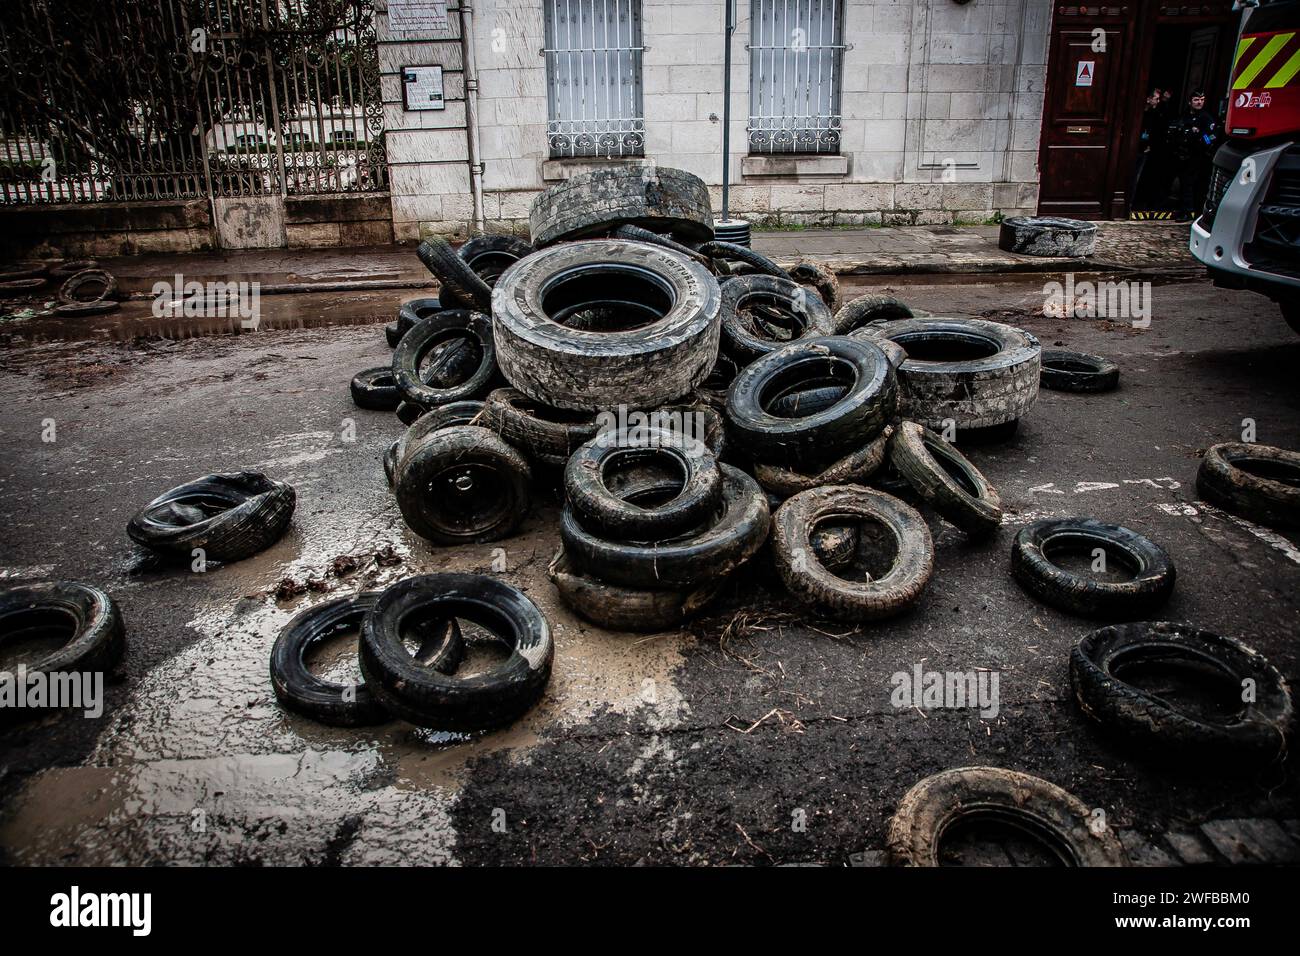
1249 232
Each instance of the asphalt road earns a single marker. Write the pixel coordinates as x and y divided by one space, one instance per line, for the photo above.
711 746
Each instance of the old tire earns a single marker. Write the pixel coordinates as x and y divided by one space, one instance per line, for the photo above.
327 702
546 435
461 286
817 586
853 469
857 416
1097 664
441 331
444 416
866 309
673 301
374 388
74 310
1047 236
946 480
1056 818
17 288
461 485
820 279
593 203
229 517
726 252
713 550
490 256
974 373
83 614
90 285
756 309
1065 371
1153 572
1257 482
603 512
421 695
618 608
70 267
637 234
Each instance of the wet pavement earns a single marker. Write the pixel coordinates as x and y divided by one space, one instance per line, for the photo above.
755 736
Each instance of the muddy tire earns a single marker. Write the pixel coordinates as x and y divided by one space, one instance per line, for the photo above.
461 287
944 479
1149 588
229 517
392 334
70 267
75 310
327 702
853 469
866 309
1258 731
420 694
1055 817
618 608
1257 482
374 388
595 202
727 252
547 436
92 285
714 550
602 512
817 277
817 586
758 308
1065 371
1047 236
444 416
490 256
637 234
441 332
461 485
713 390
96 637
972 372
17 288
414 311
674 300
858 416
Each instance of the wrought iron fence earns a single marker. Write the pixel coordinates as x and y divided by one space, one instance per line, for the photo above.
593 78
795 55
175 99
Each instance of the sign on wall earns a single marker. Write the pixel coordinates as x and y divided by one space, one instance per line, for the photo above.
1084 72
422 88
417 18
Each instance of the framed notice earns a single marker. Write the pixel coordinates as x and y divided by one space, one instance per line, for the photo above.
422 88
417 18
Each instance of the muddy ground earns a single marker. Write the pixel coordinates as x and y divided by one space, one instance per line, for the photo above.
698 747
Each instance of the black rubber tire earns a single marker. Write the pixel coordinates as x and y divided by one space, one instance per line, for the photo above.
426 698
546 435
1259 731
637 234
414 311
819 278
68 292
444 416
604 513
618 608
490 256
977 392
430 334
97 640
461 287
593 203
428 475
818 586
643 367
70 267
730 252
17 288
1065 371
712 391
860 415
853 469
866 309
326 702
20 271
1151 586
743 337
392 335
408 413
1272 498
944 479
712 551
808 402
699 422
254 513
1055 817
374 388
1048 236
84 309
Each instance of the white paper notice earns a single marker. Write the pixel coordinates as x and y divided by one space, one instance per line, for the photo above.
417 17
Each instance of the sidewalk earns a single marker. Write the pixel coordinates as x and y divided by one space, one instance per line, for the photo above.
1121 246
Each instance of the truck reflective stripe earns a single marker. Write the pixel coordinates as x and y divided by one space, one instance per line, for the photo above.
1271 49
1283 76
1242 46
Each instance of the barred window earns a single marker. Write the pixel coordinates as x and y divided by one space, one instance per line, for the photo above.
795 54
593 78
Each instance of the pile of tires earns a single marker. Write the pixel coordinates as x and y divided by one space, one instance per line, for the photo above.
417 640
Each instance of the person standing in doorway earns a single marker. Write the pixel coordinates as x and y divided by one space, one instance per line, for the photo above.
1151 161
1193 138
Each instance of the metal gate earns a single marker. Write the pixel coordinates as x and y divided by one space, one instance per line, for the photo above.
181 99
795 53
